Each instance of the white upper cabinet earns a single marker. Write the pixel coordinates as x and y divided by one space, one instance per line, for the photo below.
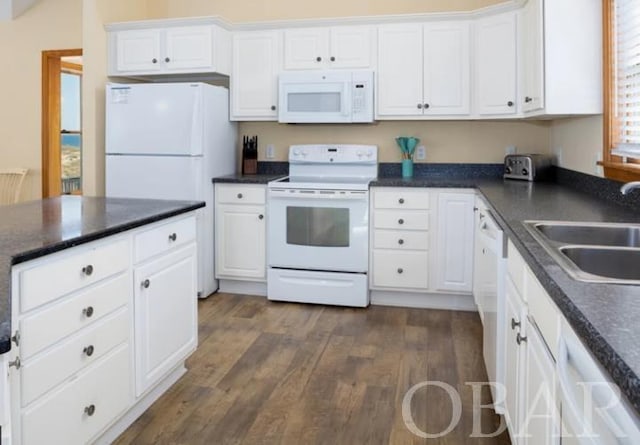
254 82
158 49
561 57
533 56
423 70
495 65
446 68
399 82
328 48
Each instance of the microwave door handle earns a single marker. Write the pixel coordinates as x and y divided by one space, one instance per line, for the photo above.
346 103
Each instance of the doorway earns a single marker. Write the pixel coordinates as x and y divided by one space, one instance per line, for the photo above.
61 122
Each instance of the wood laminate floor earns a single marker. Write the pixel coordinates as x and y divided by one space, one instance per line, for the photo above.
280 373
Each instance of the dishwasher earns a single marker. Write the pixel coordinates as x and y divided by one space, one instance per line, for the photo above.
488 293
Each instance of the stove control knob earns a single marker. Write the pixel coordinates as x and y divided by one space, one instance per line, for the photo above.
304 153
359 153
296 152
369 153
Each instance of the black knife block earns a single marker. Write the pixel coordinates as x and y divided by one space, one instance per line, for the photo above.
250 156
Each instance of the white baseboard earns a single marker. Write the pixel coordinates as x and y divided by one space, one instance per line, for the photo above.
143 404
452 302
243 287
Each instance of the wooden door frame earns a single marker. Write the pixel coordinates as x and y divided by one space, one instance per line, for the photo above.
51 169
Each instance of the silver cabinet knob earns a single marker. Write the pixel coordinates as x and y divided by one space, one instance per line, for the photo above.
318 59
514 323
333 59
528 99
239 195
88 350
401 221
146 283
426 106
260 216
510 104
173 237
401 241
166 59
154 60
87 270
88 311
90 410
520 338
273 108
400 270
401 200
419 106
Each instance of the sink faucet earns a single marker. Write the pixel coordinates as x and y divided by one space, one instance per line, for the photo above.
626 188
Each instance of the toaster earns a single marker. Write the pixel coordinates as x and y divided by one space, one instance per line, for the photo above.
528 167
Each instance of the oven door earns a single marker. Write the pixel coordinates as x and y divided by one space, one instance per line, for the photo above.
318 230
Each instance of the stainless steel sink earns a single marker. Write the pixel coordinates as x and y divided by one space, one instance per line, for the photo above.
593 252
599 235
618 264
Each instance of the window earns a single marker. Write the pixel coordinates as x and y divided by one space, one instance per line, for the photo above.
622 89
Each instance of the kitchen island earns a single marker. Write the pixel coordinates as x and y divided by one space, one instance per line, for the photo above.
88 289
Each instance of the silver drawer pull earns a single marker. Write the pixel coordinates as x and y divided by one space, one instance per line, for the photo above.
88 350
520 338
173 237
401 221
15 363
146 283
514 323
400 270
88 311
90 410
87 270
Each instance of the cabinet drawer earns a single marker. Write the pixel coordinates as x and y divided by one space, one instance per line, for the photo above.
401 239
400 269
401 199
63 416
516 268
162 238
58 276
51 325
52 367
243 194
398 219
544 312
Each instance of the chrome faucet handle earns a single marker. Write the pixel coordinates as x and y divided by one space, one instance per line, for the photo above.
626 188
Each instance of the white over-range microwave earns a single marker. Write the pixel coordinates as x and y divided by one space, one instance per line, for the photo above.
325 96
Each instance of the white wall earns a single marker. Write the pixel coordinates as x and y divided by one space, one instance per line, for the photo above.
578 143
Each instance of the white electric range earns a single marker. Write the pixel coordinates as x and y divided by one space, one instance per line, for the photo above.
318 226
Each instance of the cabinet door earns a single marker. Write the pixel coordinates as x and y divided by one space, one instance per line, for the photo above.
541 418
533 56
138 50
495 65
515 321
240 242
454 264
165 314
254 82
306 49
189 48
351 47
399 85
446 68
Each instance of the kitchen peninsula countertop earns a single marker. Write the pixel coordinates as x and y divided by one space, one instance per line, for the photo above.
37 228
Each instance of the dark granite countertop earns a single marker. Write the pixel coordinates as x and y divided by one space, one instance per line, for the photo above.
247 179
37 228
605 316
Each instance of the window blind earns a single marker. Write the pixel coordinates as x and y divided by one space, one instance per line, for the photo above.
627 78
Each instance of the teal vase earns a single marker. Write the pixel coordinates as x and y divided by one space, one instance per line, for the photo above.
407 168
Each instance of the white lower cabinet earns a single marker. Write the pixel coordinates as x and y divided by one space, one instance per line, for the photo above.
421 240
240 232
71 369
515 329
166 314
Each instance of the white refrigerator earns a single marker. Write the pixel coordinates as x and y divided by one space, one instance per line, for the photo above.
167 141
